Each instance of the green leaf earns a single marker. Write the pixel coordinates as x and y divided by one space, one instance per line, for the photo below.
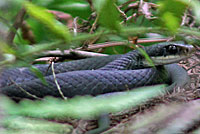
82 107
172 22
5 48
76 8
170 13
81 10
39 74
146 56
48 20
108 15
17 124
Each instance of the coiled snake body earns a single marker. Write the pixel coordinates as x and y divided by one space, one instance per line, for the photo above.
101 75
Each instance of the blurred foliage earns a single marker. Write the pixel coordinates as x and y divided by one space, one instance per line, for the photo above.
105 9
171 15
174 118
79 8
48 20
101 21
82 107
19 125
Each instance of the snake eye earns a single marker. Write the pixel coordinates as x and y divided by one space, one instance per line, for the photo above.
172 49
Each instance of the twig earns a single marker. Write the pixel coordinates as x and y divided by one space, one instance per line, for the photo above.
75 26
85 54
27 33
91 5
44 59
94 25
56 82
6 22
121 12
128 18
90 41
16 25
184 18
126 3
73 53
78 54
50 60
70 54
23 90
132 6
110 44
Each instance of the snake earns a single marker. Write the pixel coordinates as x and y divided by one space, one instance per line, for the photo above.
101 75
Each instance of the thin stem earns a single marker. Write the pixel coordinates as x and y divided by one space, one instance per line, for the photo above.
56 82
23 90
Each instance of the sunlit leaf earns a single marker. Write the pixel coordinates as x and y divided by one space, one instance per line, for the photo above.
5 48
34 126
108 15
83 107
48 20
76 8
170 12
172 21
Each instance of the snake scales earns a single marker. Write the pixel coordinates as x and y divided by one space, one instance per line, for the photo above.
101 75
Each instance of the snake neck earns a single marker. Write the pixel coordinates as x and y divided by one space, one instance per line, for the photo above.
129 61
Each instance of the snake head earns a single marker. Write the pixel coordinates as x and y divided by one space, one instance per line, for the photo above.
169 52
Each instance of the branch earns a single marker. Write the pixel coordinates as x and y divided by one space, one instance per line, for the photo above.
79 54
17 24
71 54
110 44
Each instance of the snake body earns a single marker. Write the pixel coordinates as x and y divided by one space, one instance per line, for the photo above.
95 76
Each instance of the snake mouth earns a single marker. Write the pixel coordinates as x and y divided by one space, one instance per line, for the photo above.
173 53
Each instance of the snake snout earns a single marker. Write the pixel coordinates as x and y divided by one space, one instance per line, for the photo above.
189 49
173 53
185 49
178 49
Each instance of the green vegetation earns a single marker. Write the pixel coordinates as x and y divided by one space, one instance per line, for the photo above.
37 26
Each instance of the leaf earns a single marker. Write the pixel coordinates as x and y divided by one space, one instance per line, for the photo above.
34 126
39 74
83 106
170 12
146 56
5 48
172 21
76 8
80 9
48 20
108 15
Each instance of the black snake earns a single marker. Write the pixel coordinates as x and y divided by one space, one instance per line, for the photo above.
101 75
